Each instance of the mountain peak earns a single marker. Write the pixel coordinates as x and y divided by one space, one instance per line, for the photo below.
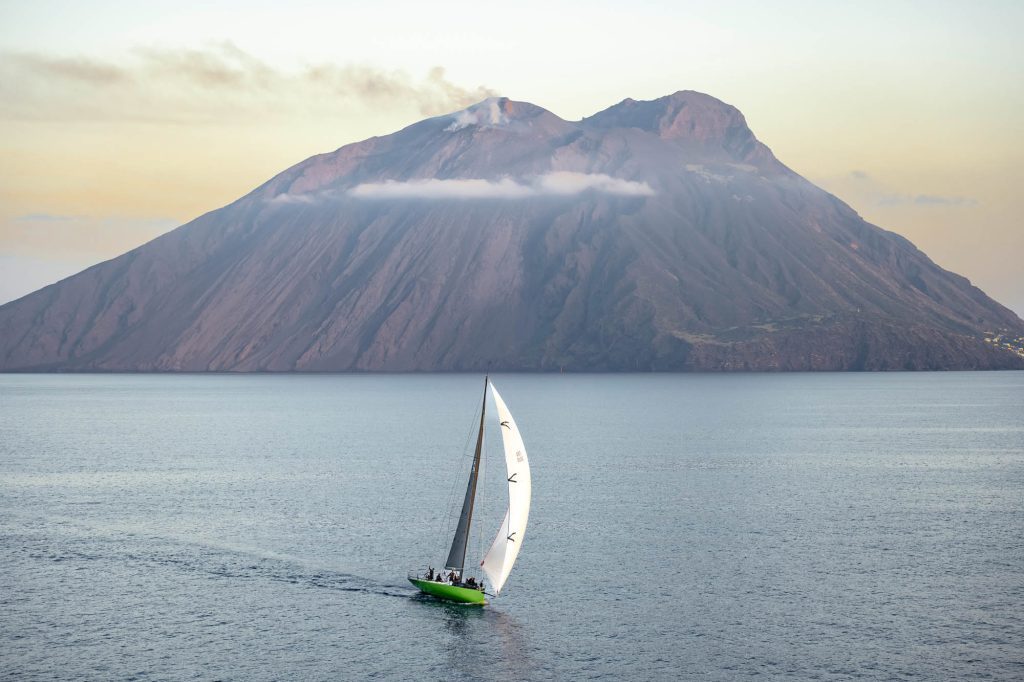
687 116
497 112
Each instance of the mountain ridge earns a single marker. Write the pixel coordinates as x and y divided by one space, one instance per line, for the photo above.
652 235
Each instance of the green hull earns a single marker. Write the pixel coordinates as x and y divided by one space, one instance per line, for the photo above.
463 595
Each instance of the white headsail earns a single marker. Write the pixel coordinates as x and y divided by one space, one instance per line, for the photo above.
498 561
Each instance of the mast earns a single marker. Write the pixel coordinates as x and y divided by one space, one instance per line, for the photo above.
457 555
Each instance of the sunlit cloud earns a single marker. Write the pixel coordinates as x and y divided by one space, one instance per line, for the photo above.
566 182
864 190
46 218
198 85
79 69
925 200
286 199
470 188
561 183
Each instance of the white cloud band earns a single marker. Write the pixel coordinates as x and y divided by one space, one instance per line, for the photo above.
559 183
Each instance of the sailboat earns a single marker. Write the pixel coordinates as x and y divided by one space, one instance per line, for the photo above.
453 583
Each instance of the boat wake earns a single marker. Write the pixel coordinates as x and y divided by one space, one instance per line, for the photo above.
75 542
245 565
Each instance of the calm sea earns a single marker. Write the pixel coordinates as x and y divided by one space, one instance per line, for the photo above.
811 526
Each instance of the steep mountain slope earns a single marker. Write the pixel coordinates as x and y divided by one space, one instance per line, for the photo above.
652 235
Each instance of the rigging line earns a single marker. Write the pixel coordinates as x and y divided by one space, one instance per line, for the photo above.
445 526
480 498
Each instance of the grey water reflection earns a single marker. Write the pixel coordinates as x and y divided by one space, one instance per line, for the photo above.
482 642
683 527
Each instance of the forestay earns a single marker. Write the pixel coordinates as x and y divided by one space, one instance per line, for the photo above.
498 561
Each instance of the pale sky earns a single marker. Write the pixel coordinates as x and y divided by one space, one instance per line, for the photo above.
119 121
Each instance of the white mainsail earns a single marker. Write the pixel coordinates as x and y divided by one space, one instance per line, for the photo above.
498 561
